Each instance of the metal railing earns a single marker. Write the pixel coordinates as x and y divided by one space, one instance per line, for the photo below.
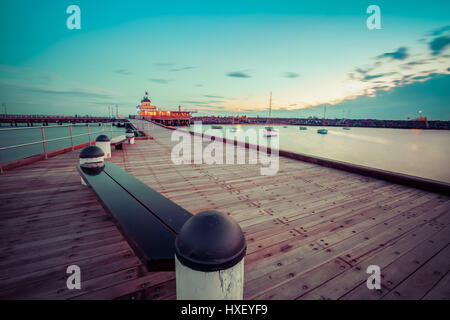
44 141
140 124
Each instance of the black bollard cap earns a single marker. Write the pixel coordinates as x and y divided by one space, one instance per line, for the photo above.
102 138
91 152
210 241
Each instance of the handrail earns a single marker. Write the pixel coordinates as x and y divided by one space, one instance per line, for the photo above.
45 141
38 127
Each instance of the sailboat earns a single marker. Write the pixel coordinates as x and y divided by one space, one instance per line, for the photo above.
269 131
323 130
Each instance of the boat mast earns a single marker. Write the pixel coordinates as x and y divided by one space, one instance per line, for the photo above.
270 106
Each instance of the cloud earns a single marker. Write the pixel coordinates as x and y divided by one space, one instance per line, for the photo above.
78 93
238 74
421 77
181 69
415 63
362 71
211 96
400 54
291 75
370 77
375 76
438 44
123 72
194 102
440 31
161 81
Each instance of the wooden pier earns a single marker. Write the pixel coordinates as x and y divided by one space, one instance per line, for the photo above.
311 231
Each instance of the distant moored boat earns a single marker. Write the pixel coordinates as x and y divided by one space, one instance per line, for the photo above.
323 130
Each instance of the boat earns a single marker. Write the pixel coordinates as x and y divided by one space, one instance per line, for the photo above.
303 128
323 130
216 127
345 128
269 131
232 130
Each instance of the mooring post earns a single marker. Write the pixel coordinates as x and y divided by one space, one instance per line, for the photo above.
89 133
130 136
104 143
209 258
71 137
43 143
91 157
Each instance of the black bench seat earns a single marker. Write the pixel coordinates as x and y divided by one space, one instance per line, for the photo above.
148 221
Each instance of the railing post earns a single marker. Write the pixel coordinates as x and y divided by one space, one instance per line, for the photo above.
209 258
43 143
71 136
111 131
89 133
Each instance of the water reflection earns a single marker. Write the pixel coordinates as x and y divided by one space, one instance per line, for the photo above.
423 153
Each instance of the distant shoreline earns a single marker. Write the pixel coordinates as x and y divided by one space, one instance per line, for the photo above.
361 123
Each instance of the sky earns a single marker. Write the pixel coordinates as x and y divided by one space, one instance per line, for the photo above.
225 57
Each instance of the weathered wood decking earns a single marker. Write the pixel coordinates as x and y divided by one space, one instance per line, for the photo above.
311 231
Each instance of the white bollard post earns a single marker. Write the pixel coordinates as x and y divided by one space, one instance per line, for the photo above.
91 157
104 143
130 136
209 258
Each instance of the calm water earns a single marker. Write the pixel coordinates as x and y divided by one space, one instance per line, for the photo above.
423 153
14 137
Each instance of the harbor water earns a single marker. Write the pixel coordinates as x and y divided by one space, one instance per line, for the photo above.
10 136
416 152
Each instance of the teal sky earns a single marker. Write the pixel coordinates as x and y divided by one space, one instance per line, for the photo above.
225 57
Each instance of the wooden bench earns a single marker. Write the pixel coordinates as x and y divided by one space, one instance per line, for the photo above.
118 141
149 221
